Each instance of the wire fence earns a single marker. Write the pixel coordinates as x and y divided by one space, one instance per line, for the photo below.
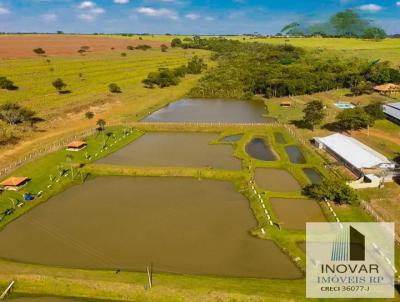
371 211
43 150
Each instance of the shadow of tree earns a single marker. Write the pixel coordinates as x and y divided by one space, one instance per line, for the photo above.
65 91
300 124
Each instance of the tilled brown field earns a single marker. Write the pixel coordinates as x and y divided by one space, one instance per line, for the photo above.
21 46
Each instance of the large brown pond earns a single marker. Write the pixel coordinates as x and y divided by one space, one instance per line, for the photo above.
276 180
182 225
175 149
295 213
211 110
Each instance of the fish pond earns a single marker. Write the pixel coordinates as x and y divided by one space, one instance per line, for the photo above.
280 138
181 225
295 155
276 180
295 213
211 111
259 149
164 149
314 176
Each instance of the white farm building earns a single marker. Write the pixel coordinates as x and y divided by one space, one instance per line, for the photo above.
392 111
354 154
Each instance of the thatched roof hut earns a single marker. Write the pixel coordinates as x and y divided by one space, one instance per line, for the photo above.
387 88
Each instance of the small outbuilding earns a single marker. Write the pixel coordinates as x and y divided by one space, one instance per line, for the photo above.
14 183
392 112
76 145
387 89
286 104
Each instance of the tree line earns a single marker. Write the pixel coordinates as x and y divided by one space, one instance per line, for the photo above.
348 23
247 69
166 77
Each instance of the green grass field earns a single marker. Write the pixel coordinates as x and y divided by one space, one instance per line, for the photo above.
87 78
387 50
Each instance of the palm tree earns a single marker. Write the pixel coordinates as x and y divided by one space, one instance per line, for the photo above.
101 123
69 159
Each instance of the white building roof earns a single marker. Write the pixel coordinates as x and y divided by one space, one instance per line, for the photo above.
393 110
353 151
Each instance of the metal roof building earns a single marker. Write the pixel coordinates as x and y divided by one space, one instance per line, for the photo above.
353 153
392 110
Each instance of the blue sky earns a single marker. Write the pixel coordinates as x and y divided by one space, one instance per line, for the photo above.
183 16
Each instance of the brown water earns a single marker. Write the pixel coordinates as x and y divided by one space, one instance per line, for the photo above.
175 150
182 225
295 155
276 180
294 213
211 111
258 149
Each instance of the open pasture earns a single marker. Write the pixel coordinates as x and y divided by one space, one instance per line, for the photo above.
87 78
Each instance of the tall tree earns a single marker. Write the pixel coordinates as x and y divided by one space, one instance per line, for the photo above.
313 114
353 119
374 33
348 23
59 85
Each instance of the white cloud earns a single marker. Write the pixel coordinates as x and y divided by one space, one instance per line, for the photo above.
87 5
50 17
398 3
192 16
209 18
4 11
121 1
160 12
90 11
370 8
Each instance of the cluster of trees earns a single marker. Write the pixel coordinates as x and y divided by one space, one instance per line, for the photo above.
332 189
143 47
39 51
166 77
280 70
60 86
83 49
348 23
359 117
7 84
7 134
13 114
114 88
349 119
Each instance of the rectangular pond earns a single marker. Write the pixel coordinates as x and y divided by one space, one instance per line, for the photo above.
181 225
276 180
280 139
314 176
211 111
164 149
295 213
295 155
